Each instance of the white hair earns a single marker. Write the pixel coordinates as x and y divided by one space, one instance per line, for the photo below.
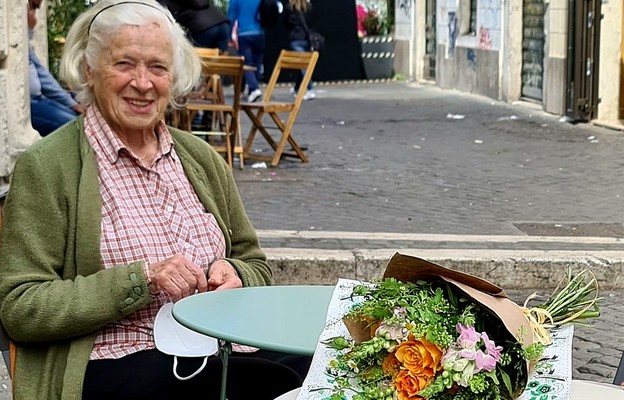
90 33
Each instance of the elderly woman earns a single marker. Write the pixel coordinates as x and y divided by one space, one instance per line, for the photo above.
114 215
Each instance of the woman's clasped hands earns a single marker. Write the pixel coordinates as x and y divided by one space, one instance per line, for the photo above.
179 277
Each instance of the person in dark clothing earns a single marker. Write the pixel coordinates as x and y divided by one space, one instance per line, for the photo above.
205 23
294 14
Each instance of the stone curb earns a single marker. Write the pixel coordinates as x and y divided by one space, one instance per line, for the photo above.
510 269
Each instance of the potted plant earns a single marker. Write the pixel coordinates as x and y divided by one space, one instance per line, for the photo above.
377 43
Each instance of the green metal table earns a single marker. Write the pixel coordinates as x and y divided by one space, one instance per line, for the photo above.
287 319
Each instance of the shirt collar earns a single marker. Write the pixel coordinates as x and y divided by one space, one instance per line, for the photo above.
112 147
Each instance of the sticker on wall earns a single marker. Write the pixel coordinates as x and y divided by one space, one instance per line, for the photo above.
452 27
485 42
471 57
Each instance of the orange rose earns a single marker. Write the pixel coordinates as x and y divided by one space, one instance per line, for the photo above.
391 365
419 357
407 385
420 361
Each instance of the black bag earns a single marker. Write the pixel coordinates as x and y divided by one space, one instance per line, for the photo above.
317 41
269 12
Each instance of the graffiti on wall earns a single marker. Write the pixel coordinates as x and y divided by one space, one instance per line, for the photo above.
452 34
485 41
471 57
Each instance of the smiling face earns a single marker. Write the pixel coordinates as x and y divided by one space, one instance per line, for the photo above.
132 78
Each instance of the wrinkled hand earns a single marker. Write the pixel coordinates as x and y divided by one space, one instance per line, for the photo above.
177 276
222 275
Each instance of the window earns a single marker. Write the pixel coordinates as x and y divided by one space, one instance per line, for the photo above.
468 17
473 17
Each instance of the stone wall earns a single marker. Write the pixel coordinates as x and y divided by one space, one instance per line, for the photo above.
16 133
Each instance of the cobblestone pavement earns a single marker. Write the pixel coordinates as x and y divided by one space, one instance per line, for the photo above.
405 158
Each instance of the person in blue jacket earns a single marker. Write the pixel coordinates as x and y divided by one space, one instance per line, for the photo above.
51 106
251 42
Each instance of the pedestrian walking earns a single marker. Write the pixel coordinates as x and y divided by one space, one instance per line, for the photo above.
296 16
251 42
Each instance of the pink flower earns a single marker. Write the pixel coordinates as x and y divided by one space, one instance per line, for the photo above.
484 362
471 353
468 337
492 349
361 15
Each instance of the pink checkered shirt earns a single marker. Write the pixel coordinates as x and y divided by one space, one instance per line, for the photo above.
148 214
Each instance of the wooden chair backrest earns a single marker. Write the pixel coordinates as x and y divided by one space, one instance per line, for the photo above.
223 107
292 60
206 52
221 66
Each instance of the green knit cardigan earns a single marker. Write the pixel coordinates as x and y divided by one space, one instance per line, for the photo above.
54 293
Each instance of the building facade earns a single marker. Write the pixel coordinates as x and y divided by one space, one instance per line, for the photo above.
565 55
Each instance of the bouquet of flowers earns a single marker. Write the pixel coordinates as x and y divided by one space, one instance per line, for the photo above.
427 332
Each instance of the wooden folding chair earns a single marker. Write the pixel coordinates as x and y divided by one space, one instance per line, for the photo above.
225 121
205 90
206 52
287 60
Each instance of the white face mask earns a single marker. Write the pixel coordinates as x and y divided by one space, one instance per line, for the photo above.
179 341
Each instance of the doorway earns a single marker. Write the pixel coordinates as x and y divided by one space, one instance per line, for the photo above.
429 72
583 56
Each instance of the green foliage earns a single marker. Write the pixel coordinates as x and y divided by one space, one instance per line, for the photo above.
390 16
61 14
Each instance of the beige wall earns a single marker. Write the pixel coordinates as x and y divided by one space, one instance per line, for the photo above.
555 57
16 134
511 50
609 68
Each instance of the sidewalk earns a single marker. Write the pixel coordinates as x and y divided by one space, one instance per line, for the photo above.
502 191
